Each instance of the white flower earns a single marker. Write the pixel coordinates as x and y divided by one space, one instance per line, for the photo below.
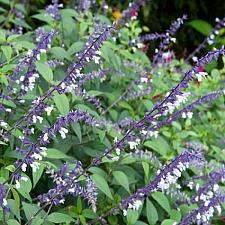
24 167
218 208
62 201
3 124
190 185
177 172
22 78
163 184
40 119
187 115
118 151
71 190
144 79
35 166
134 144
171 179
197 186
24 179
43 151
200 75
4 202
125 212
8 110
136 204
144 132
63 131
45 137
153 133
49 110
17 184
198 216
215 187
173 39
36 156
140 45
96 59
195 59
115 158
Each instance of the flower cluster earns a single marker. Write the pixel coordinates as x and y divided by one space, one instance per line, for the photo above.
53 10
211 188
67 184
132 10
27 81
204 213
3 201
166 176
168 38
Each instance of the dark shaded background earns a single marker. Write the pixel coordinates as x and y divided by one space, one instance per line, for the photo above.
157 15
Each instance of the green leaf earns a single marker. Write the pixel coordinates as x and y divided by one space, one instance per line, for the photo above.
13 222
39 221
31 209
168 222
75 47
132 216
25 187
145 166
159 145
201 26
62 103
77 129
101 183
162 200
59 53
122 179
95 93
45 71
7 51
151 212
53 153
60 218
16 203
37 175
175 215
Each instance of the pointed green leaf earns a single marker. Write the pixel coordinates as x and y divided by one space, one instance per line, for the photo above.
62 103
122 179
151 212
7 51
45 71
168 222
162 200
60 218
101 183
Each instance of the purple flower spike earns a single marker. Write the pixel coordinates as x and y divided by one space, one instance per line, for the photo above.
66 184
204 213
152 37
165 177
53 10
169 37
206 192
3 201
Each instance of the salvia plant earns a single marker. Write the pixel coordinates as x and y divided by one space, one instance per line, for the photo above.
94 130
